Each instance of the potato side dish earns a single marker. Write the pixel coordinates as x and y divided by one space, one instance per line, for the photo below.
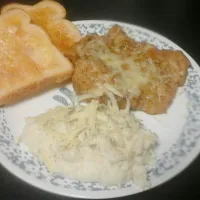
92 143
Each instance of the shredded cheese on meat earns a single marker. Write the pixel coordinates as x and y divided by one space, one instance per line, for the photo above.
127 80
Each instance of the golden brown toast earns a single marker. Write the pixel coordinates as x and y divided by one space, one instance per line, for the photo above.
50 15
29 60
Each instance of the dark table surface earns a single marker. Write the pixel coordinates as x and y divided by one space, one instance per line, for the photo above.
176 19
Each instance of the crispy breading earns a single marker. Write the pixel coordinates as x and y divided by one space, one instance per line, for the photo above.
154 74
88 72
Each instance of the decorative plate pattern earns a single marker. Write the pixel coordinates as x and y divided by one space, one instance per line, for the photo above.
171 159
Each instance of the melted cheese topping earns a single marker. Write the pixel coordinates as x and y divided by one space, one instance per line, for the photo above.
128 75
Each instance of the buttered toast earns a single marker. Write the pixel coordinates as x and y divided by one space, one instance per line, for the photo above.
29 60
50 15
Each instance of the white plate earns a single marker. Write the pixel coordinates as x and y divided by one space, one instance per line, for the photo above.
178 130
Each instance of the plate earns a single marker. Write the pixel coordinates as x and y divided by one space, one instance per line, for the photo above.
178 129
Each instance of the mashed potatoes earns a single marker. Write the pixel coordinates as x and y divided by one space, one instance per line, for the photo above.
96 142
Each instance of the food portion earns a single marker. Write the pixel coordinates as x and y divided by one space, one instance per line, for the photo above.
96 142
101 141
148 77
137 70
29 60
50 15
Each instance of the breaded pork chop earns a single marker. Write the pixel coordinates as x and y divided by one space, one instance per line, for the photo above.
139 71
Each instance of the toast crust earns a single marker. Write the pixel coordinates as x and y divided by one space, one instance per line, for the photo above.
34 88
50 15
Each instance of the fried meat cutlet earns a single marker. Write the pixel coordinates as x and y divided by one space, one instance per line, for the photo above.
139 71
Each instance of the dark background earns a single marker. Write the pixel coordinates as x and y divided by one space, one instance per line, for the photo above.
178 20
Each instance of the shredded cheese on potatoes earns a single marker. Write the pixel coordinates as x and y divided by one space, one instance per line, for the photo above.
95 142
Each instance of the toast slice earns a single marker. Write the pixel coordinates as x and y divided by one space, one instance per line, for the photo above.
50 15
30 62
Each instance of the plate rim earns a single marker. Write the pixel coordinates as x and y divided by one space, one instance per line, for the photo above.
47 187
